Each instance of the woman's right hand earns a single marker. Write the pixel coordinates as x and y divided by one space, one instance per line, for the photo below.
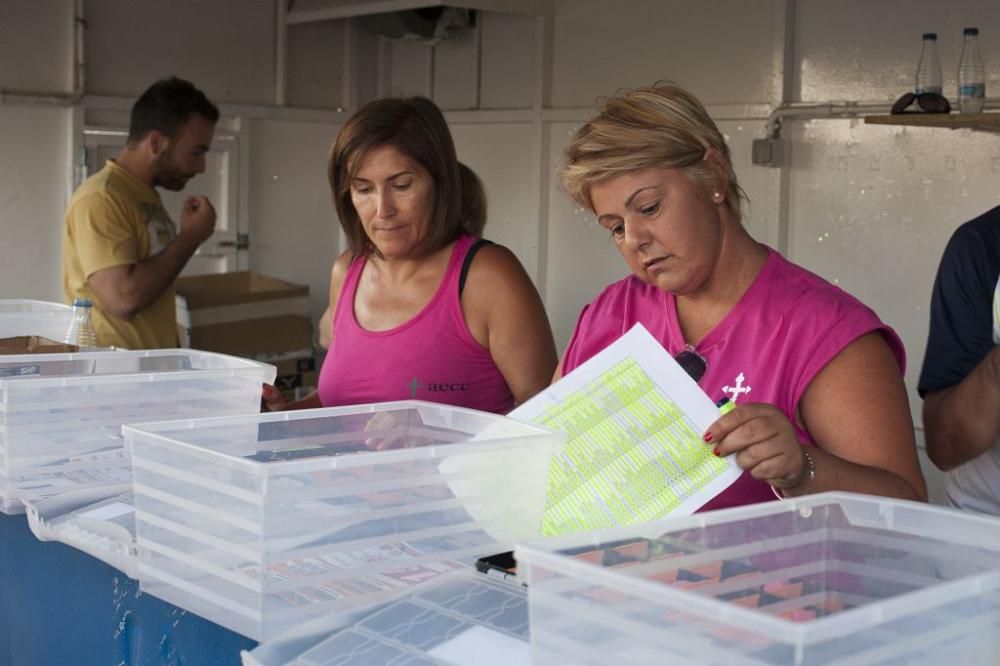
764 443
272 400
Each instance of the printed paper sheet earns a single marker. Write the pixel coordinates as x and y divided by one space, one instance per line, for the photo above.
634 452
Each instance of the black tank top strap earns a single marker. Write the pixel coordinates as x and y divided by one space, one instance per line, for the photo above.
468 262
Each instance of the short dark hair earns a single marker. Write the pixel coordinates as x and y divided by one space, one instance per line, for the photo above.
416 127
165 106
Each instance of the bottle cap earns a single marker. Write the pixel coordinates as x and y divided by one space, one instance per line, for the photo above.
82 302
970 31
931 36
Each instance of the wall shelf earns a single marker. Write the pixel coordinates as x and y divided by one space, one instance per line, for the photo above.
988 122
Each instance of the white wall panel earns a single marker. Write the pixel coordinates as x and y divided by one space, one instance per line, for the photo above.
410 68
293 226
32 201
315 69
42 31
366 64
761 217
934 478
872 207
502 155
509 60
226 47
456 71
721 49
863 50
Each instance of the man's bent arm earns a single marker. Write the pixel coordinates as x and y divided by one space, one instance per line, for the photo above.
126 290
963 421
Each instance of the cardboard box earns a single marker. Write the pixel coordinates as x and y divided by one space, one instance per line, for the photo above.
34 344
250 315
233 289
244 314
255 338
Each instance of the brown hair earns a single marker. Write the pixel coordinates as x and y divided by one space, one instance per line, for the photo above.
662 126
473 201
416 127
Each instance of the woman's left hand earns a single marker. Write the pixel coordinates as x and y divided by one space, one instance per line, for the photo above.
272 400
763 441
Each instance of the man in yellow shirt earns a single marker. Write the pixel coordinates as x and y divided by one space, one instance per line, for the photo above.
120 247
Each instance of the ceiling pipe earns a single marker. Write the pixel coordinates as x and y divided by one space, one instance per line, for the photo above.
801 110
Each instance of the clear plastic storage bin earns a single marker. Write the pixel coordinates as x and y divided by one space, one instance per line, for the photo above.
26 317
261 522
832 578
460 619
61 414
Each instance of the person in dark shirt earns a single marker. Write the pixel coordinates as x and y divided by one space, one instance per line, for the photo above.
960 380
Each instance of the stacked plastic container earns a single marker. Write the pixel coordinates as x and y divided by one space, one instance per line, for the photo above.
26 317
834 578
459 619
61 414
261 522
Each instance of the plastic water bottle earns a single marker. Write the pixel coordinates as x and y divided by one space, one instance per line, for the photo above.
971 75
81 327
929 69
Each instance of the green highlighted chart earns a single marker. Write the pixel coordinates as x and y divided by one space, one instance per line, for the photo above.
634 451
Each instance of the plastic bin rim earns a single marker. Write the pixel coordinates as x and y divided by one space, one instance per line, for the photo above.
128 353
161 431
319 463
237 363
779 629
667 524
50 306
157 427
60 316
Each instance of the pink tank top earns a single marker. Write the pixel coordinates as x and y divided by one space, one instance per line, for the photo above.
431 357
787 326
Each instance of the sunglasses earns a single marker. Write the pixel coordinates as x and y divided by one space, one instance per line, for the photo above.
926 103
693 363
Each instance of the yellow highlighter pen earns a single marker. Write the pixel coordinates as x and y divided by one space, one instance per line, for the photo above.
725 406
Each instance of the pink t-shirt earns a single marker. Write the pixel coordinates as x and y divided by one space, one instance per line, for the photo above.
431 357
787 326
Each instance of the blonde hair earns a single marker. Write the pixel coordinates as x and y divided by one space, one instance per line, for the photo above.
661 126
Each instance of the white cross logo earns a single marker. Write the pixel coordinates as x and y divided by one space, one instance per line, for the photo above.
738 388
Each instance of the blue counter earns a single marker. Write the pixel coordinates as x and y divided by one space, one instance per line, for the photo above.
61 607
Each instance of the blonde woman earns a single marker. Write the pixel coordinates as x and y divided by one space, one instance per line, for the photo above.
815 376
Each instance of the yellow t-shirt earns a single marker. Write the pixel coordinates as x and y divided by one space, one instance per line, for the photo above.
114 219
